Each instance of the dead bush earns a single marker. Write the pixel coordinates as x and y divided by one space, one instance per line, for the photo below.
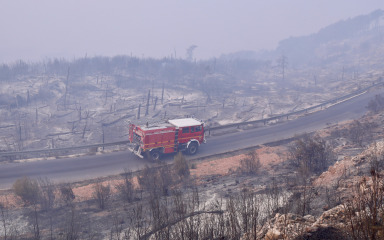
273 196
377 104
250 164
66 193
156 180
360 132
375 158
323 233
9 228
47 193
180 165
147 178
310 154
365 211
27 189
73 225
165 179
101 193
303 197
126 189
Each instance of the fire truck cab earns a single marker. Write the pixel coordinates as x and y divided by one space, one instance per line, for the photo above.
153 140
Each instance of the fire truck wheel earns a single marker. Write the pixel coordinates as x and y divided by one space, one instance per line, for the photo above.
192 148
155 155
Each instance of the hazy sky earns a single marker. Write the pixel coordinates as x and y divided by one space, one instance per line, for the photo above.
37 29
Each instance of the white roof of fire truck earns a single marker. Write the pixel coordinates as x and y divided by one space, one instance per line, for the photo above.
184 122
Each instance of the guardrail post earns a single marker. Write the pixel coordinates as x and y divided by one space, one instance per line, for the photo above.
103 135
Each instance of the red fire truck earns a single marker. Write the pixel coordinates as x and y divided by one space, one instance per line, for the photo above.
153 140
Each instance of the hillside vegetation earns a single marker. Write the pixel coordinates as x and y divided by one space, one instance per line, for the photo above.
60 103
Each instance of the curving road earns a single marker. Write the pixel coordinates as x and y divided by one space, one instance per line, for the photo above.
81 168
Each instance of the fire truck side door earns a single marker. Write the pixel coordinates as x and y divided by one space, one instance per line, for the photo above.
197 132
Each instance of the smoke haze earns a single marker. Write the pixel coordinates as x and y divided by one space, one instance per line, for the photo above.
34 30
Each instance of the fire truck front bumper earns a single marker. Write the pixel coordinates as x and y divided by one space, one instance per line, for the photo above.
136 150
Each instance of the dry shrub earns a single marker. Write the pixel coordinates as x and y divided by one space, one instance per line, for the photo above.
321 233
180 165
101 193
156 180
147 177
310 154
250 164
377 104
165 179
126 189
27 189
47 193
360 132
66 193
365 211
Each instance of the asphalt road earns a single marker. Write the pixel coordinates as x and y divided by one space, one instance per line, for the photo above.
81 168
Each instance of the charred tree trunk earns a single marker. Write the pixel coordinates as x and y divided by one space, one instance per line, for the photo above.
138 111
66 89
28 98
162 94
147 108
37 116
154 106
